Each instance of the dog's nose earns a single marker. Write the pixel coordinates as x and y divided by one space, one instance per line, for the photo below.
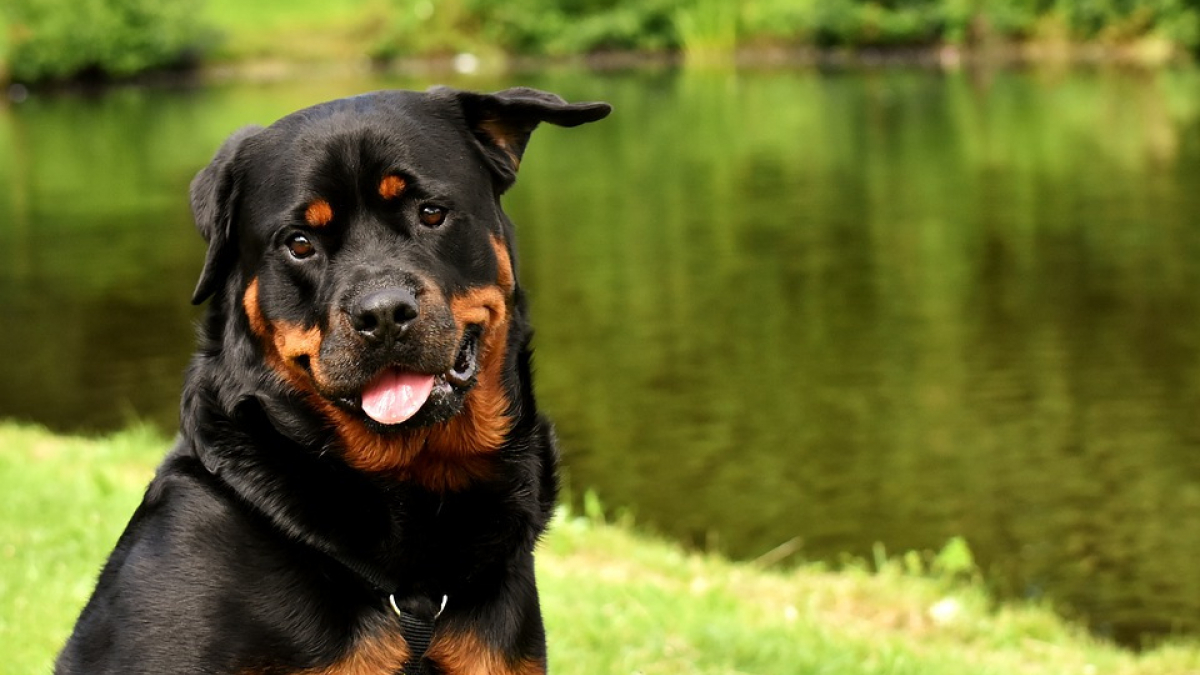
384 314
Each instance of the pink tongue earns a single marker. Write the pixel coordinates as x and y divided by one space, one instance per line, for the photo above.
396 396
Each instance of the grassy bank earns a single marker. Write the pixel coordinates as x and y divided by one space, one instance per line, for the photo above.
58 39
615 601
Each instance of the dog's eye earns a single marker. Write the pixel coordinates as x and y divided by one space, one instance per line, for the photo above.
300 246
432 215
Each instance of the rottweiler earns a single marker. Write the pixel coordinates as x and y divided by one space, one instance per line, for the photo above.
361 473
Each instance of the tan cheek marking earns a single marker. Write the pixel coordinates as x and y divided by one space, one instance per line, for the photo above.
484 422
479 306
319 213
465 654
293 342
391 187
482 425
506 278
250 304
284 342
487 305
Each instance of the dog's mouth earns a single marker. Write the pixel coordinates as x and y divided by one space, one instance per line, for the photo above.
466 361
397 395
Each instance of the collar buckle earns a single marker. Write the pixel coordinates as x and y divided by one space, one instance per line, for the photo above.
400 613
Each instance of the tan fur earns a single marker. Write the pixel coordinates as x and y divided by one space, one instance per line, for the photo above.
373 655
455 654
466 654
501 136
319 213
285 342
392 186
379 655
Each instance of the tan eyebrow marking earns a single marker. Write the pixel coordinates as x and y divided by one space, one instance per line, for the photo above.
392 186
319 213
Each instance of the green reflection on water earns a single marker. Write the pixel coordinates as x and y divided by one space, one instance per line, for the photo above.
851 307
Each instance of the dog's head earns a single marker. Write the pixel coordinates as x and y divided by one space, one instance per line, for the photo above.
363 243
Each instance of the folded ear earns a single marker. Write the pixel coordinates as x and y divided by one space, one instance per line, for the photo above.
502 122
213 194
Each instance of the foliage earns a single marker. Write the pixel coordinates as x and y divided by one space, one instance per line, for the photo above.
706 26
52 39
4 47
530 26
296 31
56 39
892 22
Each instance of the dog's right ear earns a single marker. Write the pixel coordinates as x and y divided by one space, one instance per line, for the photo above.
214 194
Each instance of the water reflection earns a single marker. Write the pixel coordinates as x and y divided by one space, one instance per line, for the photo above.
849 307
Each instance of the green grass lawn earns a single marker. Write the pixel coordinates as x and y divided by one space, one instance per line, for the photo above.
615 601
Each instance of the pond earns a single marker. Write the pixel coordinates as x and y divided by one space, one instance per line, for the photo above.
828 308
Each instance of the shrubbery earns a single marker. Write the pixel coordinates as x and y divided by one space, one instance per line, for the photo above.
581 26
544 27
57 39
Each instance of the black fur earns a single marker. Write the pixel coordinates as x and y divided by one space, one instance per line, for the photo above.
242 557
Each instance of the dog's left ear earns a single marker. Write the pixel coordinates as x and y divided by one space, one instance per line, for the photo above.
214 192
502 122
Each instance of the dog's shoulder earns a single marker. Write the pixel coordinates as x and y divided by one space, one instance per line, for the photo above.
209 579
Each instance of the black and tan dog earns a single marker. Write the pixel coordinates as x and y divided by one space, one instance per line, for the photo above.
362 473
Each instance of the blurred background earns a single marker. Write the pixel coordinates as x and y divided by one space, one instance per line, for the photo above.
836 277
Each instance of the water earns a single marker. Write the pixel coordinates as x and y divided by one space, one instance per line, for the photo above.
841 308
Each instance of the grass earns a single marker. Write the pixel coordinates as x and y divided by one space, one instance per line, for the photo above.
615 601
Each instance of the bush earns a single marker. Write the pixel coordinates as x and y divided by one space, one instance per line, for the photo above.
530 26
61 39
539 26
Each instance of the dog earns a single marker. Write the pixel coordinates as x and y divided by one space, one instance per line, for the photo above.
361 473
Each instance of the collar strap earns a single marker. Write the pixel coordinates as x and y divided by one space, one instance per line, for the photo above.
418 633
416 629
